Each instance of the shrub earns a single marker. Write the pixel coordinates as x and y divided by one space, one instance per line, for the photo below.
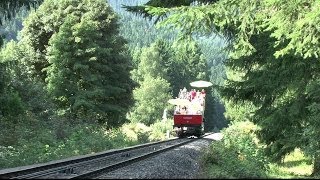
136 131
237 155
42 145
37 143
159 130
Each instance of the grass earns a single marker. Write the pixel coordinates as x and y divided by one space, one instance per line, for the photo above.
295 165
43 146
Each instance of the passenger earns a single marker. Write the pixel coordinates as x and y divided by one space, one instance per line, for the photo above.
193 94
193 109
194 100
184 110
203 93
177 110
180 94
184 89
184 93
198 94
190 96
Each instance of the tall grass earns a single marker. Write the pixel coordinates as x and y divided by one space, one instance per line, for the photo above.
295 165
240 155
39 145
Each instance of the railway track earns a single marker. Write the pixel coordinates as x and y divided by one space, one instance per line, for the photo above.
89 166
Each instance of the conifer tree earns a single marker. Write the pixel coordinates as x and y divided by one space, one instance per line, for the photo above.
74 47
88 72
275 48
154 91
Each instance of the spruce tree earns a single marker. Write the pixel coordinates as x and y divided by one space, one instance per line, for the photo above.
154 91
79 53
275 49
89 73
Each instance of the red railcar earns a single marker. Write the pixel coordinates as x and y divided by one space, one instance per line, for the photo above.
189 111
188 124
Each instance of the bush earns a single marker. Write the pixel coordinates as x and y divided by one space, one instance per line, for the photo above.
159 130
6 155
237 155
42 145
37 142
136 131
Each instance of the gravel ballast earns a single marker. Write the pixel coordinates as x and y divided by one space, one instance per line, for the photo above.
179 163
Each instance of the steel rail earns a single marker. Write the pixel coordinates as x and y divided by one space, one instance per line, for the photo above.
124 163
39 170
112 167
66 167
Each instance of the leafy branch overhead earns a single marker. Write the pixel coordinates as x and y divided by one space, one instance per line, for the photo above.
294 25
207 17
144 10
273 63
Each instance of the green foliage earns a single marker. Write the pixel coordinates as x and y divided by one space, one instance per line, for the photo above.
151 62
312 130
237 155
242 135
297 33
160 129
12 104
151 99
4 81
88 77
9 8
40 145
142 9
136 132
294 165
139 132
217 17
154 91
187 64
269 40
17 80
226 163
239 111
10 28
181 63
282 99
140 32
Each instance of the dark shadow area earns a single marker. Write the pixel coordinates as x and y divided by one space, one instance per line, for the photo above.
220 120
290 164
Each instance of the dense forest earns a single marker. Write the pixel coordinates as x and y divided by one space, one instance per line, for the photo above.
133 27
82 76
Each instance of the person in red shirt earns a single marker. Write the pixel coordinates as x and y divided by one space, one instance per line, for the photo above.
193 94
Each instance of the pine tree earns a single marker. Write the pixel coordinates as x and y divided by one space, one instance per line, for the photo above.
154 91
82 58
275 50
